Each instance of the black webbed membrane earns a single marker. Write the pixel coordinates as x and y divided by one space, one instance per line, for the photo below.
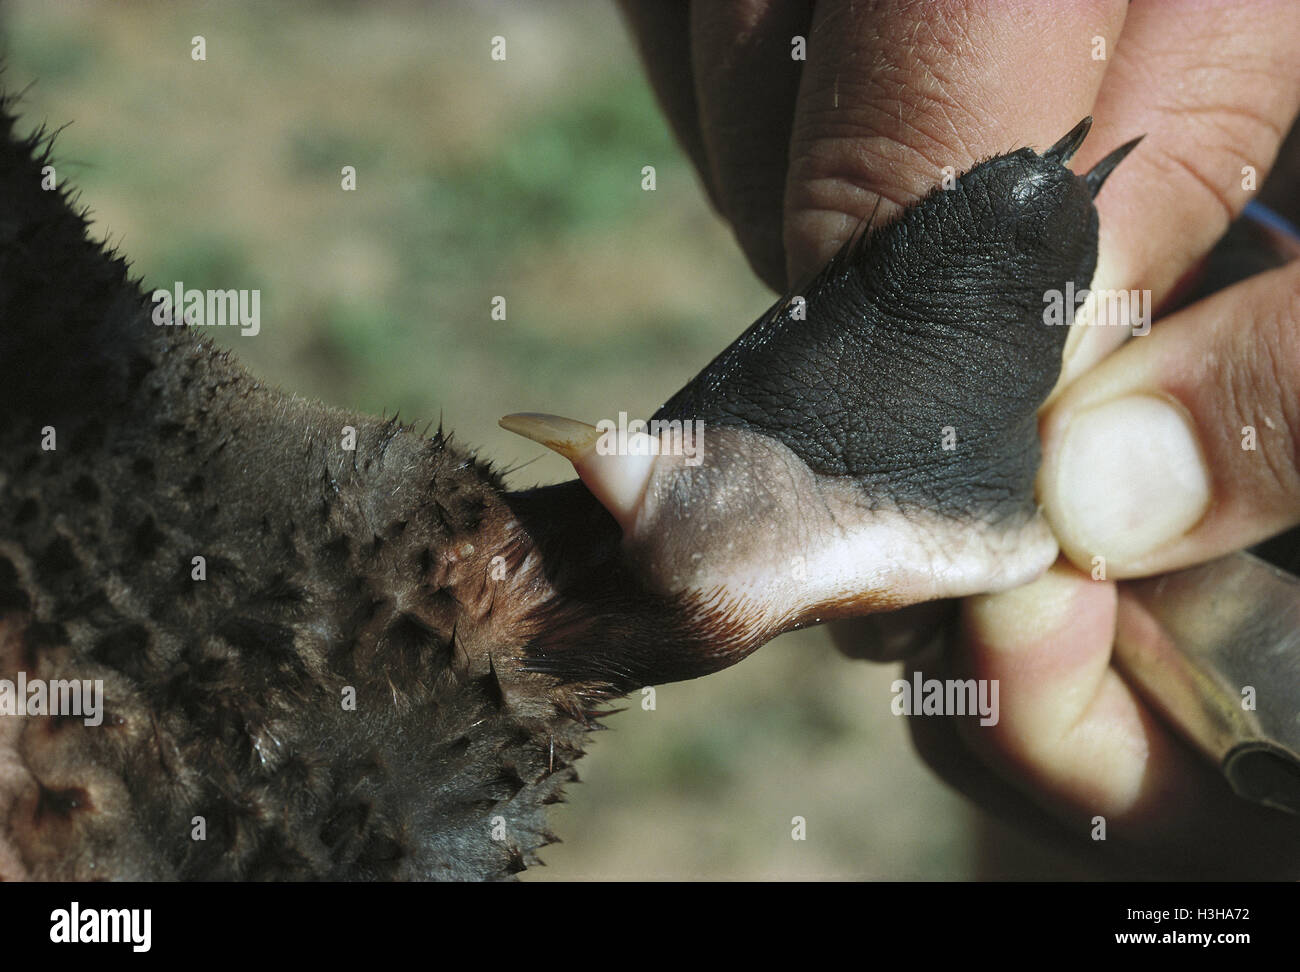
871 441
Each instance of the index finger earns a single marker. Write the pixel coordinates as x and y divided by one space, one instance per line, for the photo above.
893 94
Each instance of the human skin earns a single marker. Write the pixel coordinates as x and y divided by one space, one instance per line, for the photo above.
1143 462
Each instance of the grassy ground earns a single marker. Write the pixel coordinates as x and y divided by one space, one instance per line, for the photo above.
479 178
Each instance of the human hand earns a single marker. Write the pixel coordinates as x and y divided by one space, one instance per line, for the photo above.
1143 460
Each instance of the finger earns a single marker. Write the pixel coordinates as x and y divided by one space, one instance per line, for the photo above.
1215 88
661 29
1247 842
1048 646
941 746
894 92
1183 445
1072 733
746 78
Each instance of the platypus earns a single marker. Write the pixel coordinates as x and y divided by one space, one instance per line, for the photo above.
329 645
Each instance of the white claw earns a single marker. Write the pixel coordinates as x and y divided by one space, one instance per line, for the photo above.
616 476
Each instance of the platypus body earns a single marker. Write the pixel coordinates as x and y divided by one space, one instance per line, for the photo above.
331 646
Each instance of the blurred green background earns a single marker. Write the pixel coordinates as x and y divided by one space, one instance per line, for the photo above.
479 178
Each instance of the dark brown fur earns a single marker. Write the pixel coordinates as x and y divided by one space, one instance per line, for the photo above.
326 570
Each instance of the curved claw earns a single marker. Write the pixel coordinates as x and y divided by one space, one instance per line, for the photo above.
617 478
1064 149
1098 173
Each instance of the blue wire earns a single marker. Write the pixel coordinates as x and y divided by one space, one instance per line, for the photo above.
1259 213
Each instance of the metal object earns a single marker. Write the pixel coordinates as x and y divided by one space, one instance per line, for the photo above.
1216 648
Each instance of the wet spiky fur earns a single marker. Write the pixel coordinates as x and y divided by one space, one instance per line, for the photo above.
399 573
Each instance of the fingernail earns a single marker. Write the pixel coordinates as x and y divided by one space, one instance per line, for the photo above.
1129 478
